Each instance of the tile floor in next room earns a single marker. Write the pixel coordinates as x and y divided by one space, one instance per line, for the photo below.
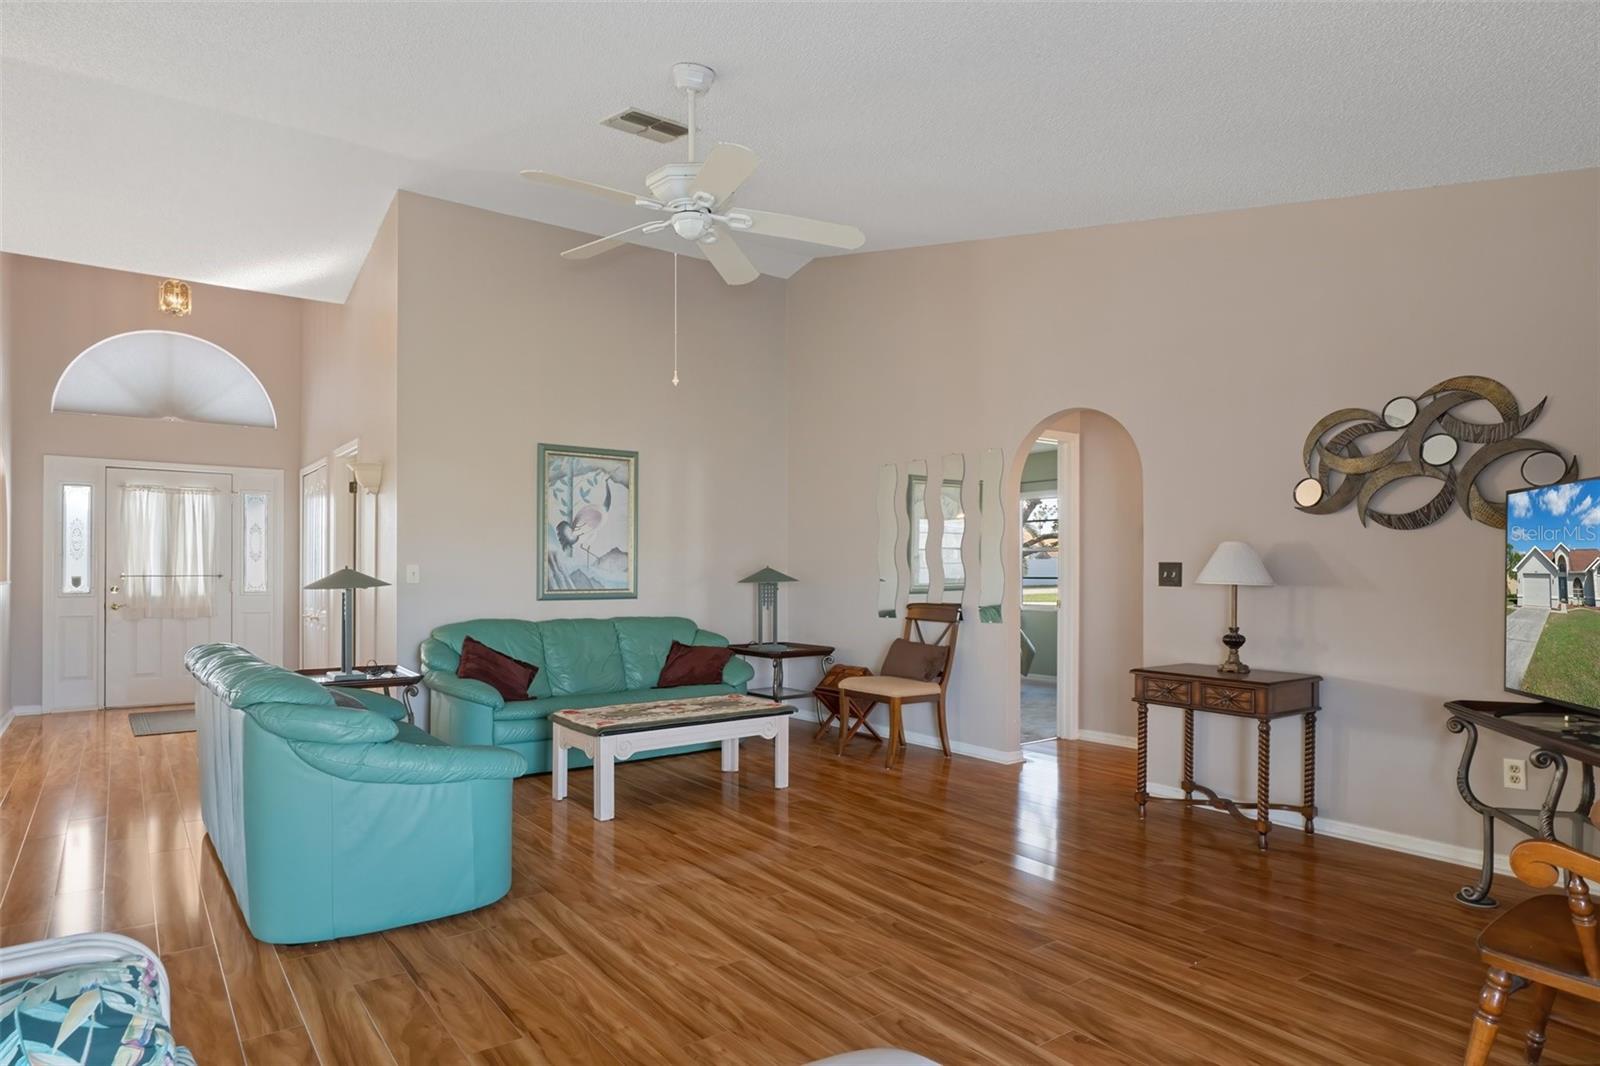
974 912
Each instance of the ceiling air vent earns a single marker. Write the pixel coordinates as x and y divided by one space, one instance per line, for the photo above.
644 124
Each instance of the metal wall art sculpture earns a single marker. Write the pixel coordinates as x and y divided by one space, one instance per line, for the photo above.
1430 439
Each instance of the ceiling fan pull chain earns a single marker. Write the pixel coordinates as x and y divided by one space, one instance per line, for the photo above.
674 319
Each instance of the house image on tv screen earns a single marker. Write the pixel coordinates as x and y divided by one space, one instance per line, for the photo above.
1553 546
1557 577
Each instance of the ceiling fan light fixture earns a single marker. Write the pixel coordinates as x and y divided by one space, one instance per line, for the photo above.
691 225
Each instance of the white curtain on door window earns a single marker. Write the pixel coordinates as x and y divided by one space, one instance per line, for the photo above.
170 567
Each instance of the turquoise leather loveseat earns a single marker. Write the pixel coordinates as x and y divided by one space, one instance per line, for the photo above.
583 662
333 820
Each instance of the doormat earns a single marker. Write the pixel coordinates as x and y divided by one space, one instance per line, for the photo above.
155 723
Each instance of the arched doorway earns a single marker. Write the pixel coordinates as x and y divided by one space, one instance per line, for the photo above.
1079 546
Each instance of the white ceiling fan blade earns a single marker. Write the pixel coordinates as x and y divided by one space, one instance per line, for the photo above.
794 228
730 261
604 244
544 177
723 171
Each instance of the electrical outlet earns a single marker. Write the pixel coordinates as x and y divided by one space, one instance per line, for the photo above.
1516 775
413 573
1169 575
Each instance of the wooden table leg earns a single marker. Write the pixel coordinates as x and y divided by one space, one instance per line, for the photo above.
1188 753
1139 791
1263 780
1308 785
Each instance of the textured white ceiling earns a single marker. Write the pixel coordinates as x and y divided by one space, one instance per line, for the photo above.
258 145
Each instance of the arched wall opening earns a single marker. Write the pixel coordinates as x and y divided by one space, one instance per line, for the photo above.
161 374
1098 628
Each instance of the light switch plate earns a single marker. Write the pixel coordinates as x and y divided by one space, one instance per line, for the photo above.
1169 575
413 573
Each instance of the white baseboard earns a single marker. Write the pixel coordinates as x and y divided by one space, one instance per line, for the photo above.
1040 677
928 740
27 709
1116 740
5 720
1363 834
961 747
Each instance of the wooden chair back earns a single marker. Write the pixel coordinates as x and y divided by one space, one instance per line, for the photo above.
923 619
1541 863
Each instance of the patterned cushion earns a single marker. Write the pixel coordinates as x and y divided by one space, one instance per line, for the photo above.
87 1014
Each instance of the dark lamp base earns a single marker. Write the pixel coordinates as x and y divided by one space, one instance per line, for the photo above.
1234 640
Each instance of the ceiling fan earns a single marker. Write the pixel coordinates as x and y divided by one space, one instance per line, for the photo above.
695 198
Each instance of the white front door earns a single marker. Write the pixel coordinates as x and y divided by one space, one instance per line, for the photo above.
169 579
316 555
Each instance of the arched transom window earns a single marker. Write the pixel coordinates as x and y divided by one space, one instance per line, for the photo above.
154 373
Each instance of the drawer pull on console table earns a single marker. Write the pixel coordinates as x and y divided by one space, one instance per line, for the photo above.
1262 695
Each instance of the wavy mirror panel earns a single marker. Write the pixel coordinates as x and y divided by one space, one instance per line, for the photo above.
991 531
918 522
888 572
953 530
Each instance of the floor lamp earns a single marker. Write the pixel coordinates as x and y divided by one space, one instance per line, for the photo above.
347 580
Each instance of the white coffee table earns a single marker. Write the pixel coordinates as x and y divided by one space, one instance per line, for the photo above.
610 734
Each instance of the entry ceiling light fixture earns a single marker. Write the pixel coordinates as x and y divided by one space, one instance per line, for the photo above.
172 298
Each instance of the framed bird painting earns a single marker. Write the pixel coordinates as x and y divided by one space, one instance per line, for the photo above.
588 523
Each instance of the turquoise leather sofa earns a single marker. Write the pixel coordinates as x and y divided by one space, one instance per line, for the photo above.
333 820
583 662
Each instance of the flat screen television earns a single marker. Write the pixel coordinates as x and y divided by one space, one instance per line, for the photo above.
1552 603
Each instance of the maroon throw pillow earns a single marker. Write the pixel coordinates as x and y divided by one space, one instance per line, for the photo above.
693 664
507 676
914 661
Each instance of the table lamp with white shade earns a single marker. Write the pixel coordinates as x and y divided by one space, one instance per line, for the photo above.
1234 563
348 580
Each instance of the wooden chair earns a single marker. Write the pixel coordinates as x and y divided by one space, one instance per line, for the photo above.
858 695
1548 942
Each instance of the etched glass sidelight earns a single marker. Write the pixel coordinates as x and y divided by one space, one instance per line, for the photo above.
77 531
255 541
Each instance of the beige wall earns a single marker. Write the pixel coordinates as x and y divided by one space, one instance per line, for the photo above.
56 310
348 392
1217 341
503 345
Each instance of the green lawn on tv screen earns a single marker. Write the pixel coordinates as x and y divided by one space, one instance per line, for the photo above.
1566 661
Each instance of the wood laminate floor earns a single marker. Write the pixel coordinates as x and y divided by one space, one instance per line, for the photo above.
973 912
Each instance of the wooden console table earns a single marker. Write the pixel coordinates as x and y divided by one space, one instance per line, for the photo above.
1262 695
